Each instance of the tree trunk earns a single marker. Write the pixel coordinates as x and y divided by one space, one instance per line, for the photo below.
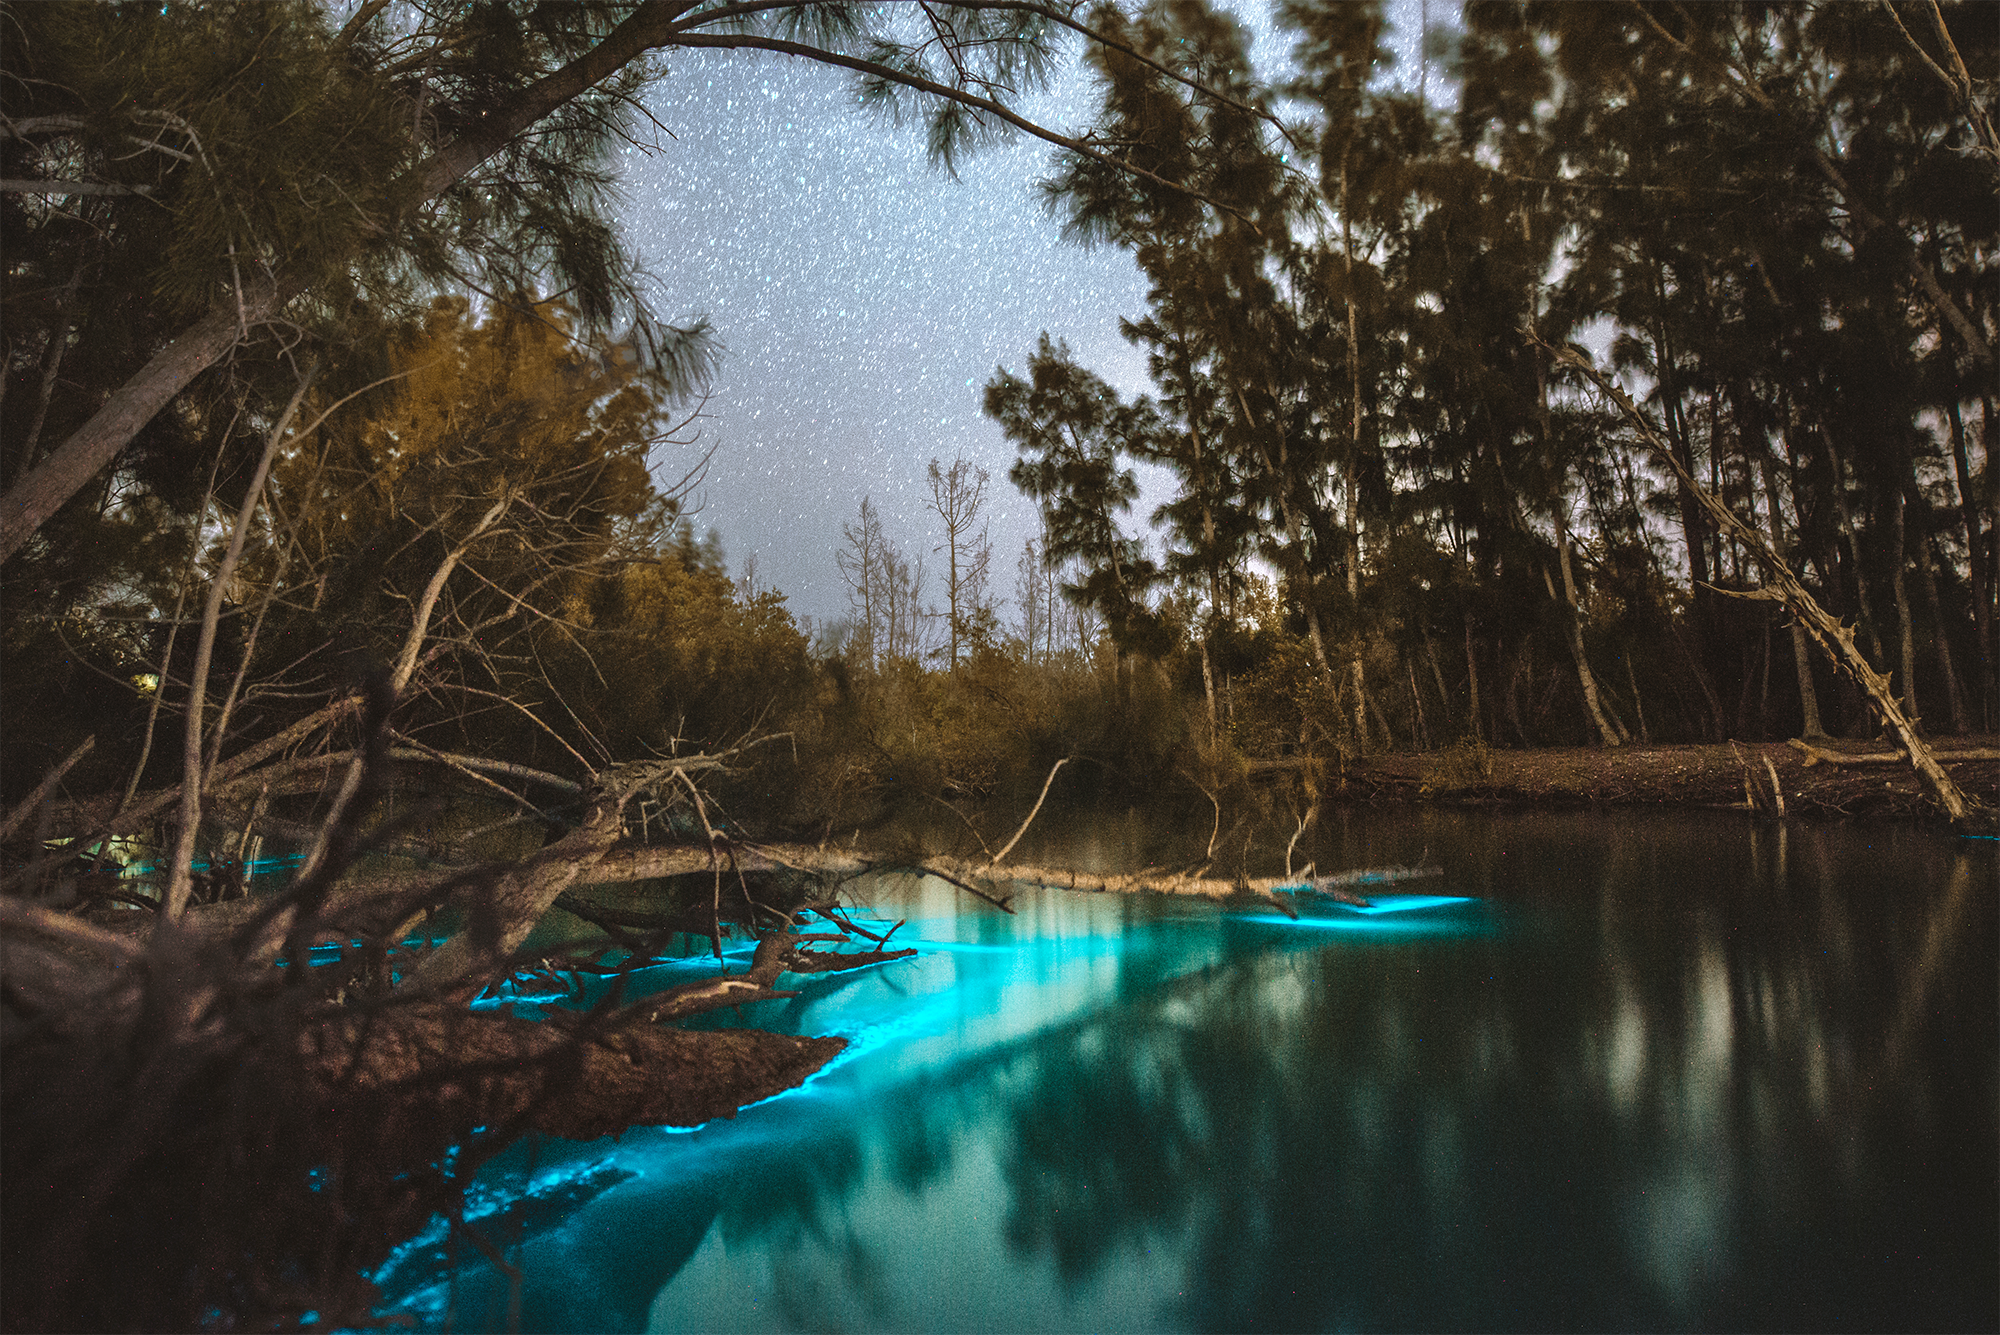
1899 590
1472 684
519 898
1694 530
1280 472
1764 686
1811 726
1982 587
71 465
1940 637
1638 701
51 368
1437 675
653 25
1522 665
1420 734
1846 515
1208 690
1574 620
1801 663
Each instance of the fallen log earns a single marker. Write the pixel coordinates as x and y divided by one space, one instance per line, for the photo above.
1190 881
1819 755
628 863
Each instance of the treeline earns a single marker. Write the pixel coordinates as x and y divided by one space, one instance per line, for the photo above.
1397 520
1777 220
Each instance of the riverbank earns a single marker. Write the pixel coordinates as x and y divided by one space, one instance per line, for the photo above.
1739 776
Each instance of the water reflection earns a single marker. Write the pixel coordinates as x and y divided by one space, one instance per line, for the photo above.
1665 1072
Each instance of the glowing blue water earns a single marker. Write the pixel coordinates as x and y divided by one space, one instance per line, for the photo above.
1676 1073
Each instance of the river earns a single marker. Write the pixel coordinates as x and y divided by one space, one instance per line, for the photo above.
1625 1071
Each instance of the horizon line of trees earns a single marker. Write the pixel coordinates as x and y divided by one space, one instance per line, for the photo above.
1778 220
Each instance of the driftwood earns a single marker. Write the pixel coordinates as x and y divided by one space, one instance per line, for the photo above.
1819 755
1192 882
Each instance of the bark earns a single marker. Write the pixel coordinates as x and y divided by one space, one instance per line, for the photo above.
1752 88
1280 472
1033 812
33 801
52 359
1638 701
1422 736
98 818
1522 664
1837 640
71 465
1353 458
1345 887
1437 675
406 666
509 905
1208 690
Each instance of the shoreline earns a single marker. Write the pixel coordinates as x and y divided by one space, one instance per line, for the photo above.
1699 776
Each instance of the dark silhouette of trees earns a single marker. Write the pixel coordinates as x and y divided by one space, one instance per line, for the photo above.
1778 222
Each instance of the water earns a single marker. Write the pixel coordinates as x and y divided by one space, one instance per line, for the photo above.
1652 1072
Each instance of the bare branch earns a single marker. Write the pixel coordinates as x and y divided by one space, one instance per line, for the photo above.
179 869
44 788
995 860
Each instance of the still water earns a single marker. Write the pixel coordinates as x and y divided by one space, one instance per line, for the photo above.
1611 1072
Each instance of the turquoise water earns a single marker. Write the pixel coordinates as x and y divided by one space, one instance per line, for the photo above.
1609 1073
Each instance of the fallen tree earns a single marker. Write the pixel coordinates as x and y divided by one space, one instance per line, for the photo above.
1783 587
1820 755
131 1059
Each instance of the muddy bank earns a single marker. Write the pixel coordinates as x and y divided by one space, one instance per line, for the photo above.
1694 776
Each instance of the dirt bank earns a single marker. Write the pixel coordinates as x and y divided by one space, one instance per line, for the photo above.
1705 776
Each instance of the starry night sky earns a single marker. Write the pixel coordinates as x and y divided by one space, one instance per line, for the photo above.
863 299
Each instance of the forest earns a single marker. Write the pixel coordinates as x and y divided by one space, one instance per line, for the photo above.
1639 389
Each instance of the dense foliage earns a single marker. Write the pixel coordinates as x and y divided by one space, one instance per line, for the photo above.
1777 221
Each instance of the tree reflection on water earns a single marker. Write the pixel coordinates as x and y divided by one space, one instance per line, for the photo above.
1667 1073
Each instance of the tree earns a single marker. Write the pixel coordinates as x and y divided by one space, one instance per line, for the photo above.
862 560
1032 590
1344 318
956 496
1071 430
467 146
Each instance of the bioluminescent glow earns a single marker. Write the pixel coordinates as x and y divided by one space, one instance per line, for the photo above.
1424 1112
1398 915
1407 903
542 1200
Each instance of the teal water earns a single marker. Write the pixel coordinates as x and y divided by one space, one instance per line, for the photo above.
1612 1072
